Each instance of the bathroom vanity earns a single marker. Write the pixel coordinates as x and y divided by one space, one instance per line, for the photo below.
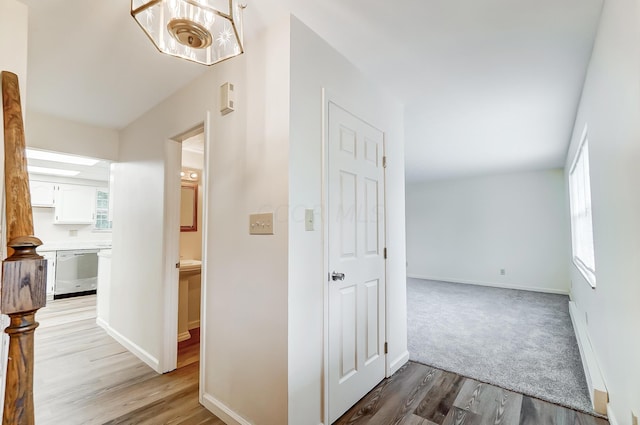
188 269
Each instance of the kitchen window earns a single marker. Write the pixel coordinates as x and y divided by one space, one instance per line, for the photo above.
581 220
102 210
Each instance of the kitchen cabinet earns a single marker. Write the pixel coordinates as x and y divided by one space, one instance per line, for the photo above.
75 204
50 256
42 194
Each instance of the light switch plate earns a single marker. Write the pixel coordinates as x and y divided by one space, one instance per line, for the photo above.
261 224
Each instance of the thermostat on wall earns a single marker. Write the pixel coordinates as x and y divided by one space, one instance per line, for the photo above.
227 98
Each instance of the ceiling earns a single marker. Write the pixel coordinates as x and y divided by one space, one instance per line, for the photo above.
489 86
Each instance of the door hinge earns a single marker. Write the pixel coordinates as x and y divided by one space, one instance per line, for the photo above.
384 162
385 253
386 348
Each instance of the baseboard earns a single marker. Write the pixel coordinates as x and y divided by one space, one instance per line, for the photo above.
102 323
492 284
222 411
396 364
184 336
595 382
136 350
194 324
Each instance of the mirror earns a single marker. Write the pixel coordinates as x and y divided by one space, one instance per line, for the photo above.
189 207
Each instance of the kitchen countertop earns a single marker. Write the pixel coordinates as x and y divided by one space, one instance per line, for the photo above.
105 253
190 265
72 245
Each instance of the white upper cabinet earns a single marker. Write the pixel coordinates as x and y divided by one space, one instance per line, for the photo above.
42 194
75 204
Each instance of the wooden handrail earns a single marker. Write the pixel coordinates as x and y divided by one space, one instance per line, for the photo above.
24 272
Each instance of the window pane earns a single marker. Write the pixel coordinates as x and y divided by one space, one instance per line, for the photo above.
581 220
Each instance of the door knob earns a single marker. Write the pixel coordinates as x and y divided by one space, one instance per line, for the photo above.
337 276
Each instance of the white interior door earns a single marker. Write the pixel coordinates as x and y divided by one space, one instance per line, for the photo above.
356 259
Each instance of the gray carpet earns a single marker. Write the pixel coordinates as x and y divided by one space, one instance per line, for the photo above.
519 340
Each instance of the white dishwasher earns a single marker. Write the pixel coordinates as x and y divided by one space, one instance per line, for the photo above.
76 273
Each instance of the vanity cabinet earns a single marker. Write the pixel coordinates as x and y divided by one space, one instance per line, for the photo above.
42 194
74 204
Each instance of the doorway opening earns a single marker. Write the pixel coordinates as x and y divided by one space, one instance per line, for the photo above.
190 248
72 215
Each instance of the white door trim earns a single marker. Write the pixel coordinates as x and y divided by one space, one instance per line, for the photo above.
329 97
173 166
326 99
169 349
205 237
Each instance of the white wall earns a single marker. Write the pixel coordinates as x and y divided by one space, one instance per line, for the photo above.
13 44
56 134
610 106
13 58
259 313
466 230
244 333
314 66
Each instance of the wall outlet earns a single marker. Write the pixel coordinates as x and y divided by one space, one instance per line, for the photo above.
73 233
503 272
308 220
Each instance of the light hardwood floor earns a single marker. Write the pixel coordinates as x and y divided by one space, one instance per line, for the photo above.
83 376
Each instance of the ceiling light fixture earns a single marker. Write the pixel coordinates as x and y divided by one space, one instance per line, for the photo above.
59 157
189 175
52 171
202 31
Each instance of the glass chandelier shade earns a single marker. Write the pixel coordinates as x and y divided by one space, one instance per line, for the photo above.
202 31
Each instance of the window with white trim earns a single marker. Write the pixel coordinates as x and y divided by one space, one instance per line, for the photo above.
581 221
102 210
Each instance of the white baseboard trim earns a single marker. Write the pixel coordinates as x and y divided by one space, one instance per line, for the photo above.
194 324
184 336
492 284
222 411
612 419
396 364
136 350
595 382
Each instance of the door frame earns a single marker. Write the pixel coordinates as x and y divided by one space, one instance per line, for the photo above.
331 97
173 166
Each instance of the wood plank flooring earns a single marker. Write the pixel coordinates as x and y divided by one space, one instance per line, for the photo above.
421 395
189 350
83 376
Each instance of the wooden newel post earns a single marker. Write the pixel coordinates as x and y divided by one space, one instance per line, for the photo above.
24 273
24 279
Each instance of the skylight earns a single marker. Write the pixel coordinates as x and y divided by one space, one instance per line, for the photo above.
59 157
52 171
